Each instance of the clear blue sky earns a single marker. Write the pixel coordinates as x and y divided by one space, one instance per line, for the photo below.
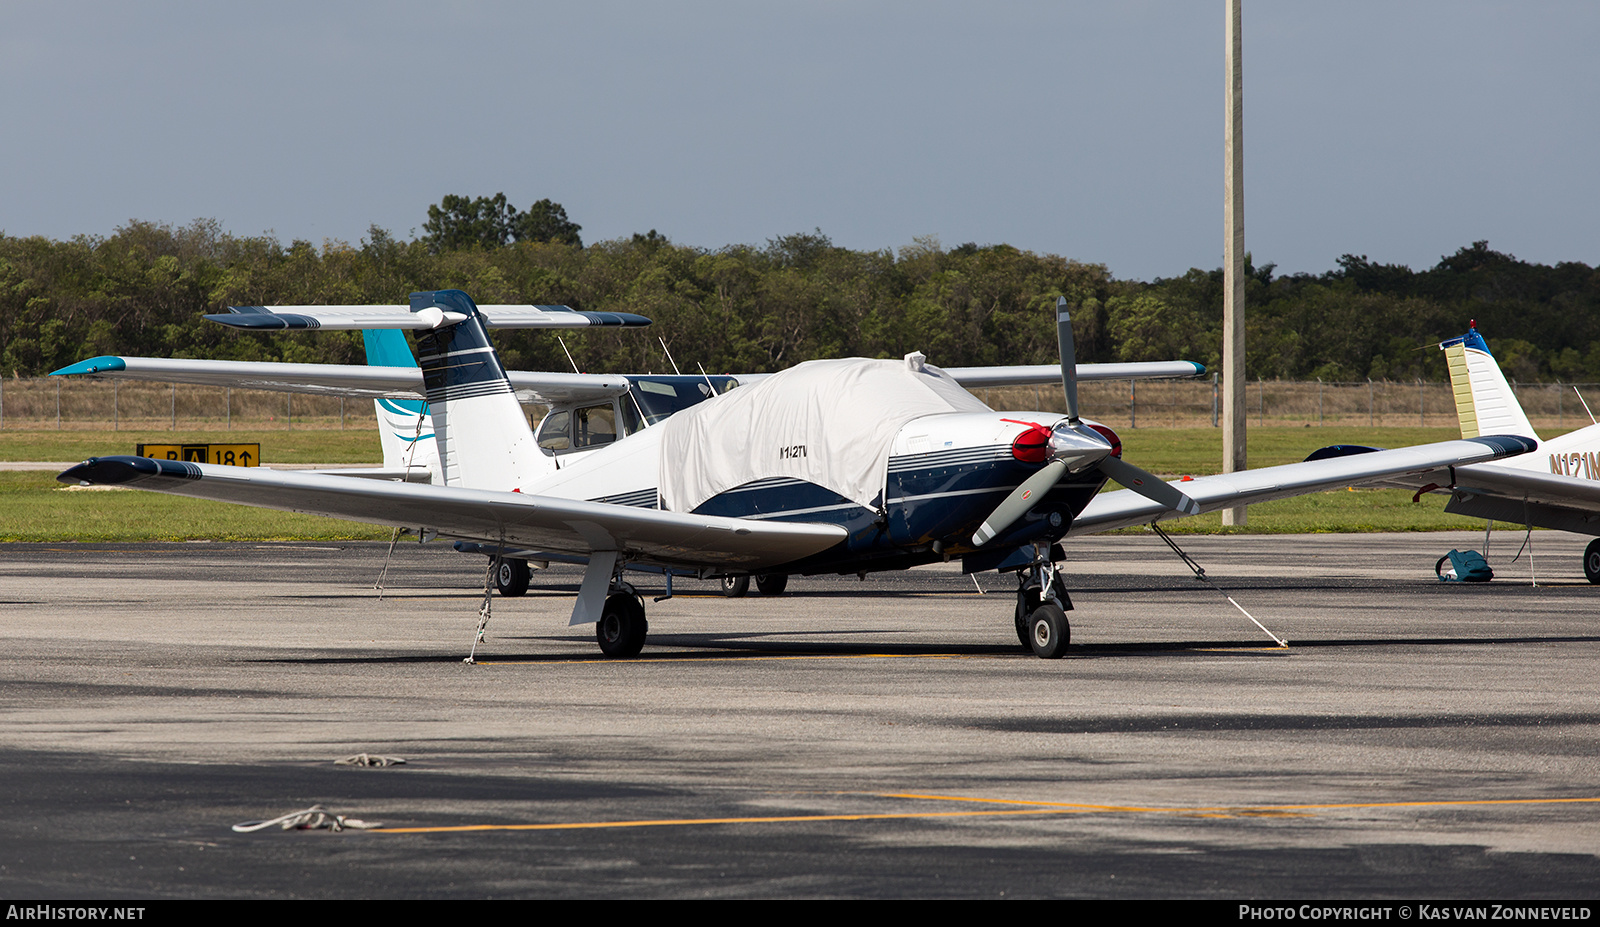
1401 130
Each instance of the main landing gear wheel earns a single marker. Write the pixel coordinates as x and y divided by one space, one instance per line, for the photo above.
1048 632
511 580
622 628
735 587
772 583
1591 561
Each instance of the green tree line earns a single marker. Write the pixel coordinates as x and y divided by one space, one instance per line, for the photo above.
746 308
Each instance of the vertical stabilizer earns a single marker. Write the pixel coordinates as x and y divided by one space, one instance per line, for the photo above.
405 426
1485 403
483 439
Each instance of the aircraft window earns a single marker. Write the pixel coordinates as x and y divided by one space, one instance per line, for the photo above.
555 432
661 397
631 423
594 426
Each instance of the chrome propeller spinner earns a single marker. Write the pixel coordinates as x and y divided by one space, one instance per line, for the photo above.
1074 448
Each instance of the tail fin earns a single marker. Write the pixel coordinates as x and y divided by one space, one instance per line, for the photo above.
405 426
1485 403
483 439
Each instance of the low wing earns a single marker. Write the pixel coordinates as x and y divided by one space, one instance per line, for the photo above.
1420 465
1548 488
351 318
1515 492
538 522
361 382
1527 497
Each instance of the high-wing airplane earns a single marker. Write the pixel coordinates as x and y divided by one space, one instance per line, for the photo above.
1559 487
834 466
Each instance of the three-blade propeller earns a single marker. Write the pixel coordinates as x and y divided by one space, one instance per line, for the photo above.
1074 447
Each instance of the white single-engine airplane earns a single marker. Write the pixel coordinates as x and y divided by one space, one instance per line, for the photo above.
834 466
584 411
1559 487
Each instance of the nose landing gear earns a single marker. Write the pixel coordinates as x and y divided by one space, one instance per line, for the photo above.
1042 606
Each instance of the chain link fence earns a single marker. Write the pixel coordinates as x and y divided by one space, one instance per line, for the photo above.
1198 403
135 405
59 403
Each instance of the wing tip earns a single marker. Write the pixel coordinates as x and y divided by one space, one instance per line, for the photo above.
112 471
101 364
1506 445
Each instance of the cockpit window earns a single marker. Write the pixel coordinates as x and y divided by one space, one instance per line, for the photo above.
650 399
590 426
555 432
658 398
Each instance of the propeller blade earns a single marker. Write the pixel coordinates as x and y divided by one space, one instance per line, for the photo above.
1148 485
1021 499
1069 358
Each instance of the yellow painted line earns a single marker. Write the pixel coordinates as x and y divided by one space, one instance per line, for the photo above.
680 822
1015 808
1242 809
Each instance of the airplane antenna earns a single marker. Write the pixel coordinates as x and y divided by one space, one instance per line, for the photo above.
569 354
713 387
1585 406
669 356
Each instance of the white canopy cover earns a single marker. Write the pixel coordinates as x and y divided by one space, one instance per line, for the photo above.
829 422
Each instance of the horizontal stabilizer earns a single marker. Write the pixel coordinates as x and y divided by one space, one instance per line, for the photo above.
351 318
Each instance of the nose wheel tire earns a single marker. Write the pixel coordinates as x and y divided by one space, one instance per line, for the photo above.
1591 561
511 580
735 587
1022 630
772 583
1028 601
1027 604
622 627
1048 632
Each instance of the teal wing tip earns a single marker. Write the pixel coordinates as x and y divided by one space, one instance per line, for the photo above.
92 365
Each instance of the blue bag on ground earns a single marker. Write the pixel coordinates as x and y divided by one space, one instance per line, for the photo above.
1464 566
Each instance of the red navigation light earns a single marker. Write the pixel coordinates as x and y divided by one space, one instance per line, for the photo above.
1033 445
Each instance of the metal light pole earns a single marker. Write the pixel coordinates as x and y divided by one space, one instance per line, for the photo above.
1233 402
